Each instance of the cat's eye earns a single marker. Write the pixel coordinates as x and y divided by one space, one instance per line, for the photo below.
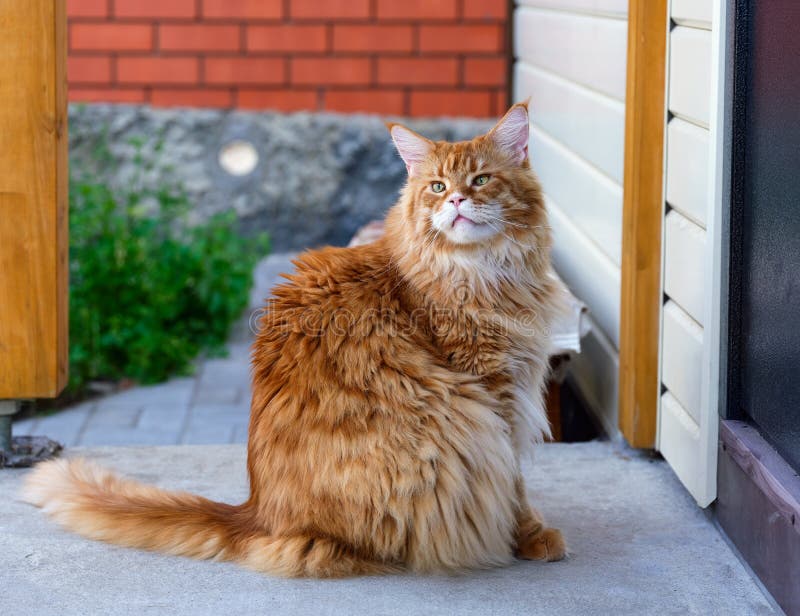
481 179
437 187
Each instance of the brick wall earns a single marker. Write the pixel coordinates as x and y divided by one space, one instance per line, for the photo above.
404 57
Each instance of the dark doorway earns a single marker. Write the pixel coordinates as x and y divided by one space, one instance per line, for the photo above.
766 390
758 502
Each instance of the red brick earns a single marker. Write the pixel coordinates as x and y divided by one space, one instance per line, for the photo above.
100 95
372 38
154 8
286 37
111 37
485 71
455 103
92 69
501 102
245 70
170 97
198 37
461 38
243 9
418 9
329 9
338 71
279 100
150 70
485 9
87 8
365 101
418 71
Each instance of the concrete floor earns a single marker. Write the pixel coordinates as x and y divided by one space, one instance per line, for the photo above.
639 545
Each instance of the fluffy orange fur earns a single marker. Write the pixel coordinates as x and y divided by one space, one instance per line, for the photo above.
395 387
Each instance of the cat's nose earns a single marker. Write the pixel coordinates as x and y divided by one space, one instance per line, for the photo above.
456 199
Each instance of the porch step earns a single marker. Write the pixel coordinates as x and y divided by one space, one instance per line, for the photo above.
639 545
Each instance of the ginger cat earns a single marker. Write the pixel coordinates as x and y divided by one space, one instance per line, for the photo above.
395 387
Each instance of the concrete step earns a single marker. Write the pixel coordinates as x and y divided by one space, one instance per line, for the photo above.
639 545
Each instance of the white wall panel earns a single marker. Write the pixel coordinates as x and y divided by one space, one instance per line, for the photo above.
615 8
685 264
681 358
690 73
589 123
588 50
590 275
696 13
687 169
590 199
595 370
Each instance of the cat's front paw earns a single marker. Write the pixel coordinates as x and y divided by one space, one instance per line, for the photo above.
548 544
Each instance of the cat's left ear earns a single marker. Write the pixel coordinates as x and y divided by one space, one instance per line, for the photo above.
511 133
413 148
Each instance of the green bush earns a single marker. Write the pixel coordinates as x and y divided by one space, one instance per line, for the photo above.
148 291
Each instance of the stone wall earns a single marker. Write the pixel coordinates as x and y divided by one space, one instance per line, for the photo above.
318 177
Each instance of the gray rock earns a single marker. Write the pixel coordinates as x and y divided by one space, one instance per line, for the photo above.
318 179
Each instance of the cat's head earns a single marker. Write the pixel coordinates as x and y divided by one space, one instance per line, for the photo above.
473 193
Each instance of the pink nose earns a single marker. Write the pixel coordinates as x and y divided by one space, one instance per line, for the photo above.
456 200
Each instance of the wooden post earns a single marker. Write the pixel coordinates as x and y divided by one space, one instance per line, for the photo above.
33 199
642 212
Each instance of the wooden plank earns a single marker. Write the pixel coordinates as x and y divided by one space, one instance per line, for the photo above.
33 199
684 264
589 198
590 275
687 170
681 358
585 49
605 8
694 13
589 123
690 74
643 206
595 372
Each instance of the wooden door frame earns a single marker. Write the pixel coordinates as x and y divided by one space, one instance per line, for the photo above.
642 214
33 200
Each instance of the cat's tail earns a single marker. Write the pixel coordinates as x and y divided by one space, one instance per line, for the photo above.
101 505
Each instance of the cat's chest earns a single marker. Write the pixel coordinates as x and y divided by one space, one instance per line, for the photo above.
486 342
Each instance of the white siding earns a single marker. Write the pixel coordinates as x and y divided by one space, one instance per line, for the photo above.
681 368
688 415
690 74
687 170
695 13
684 264
570 60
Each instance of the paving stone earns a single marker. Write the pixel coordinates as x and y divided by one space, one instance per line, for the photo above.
207 434
131 436
65 426
159 416
114 414
208 394
174 391
25 427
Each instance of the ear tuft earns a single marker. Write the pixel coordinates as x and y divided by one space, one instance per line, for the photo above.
511 132
413 148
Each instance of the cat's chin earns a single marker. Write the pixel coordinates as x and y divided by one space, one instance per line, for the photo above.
468 233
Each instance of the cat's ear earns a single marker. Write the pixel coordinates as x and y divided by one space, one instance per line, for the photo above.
511 133
413 148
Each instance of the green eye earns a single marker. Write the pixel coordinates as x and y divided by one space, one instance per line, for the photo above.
437 187
481 180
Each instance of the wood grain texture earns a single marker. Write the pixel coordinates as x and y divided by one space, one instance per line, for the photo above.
33 199
642 211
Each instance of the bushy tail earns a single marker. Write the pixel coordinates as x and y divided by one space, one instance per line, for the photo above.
98 504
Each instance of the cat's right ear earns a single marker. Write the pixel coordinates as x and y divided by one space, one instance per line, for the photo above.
413 148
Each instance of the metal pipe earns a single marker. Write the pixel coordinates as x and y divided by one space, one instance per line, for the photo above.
7 409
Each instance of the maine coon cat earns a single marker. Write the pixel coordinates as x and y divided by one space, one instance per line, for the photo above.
395 387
